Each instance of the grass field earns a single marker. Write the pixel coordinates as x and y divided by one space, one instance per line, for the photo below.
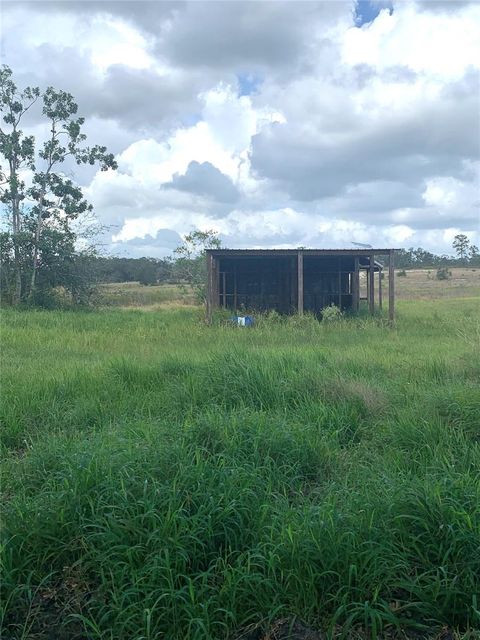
422 284
417 284
167 479
133 294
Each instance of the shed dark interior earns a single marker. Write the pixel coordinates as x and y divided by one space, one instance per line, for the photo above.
290 281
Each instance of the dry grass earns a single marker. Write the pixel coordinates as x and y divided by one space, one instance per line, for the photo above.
133 294
416 285
423 284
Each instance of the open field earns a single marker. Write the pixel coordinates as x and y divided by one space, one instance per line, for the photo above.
166 479
417 284
422 283
133 294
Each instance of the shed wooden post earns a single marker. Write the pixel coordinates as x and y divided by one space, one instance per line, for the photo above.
300 282
213 283
339 282
380 301
209 288
371 288
391 286
356 286
235 305
216 282
224 290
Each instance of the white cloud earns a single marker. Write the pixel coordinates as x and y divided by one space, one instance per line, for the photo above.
368 135
119 44
443 44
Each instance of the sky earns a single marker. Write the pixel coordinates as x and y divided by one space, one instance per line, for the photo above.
276 123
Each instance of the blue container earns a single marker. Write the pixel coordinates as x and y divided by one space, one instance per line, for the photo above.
244 321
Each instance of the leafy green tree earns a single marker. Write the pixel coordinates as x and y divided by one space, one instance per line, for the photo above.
147 274
189 261
461 244
473 254
40 202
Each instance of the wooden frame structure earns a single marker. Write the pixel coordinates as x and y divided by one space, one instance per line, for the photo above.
297 280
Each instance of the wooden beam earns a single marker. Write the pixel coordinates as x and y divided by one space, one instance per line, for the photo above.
235 288
293 284
380 302
391 286
371 288
339 282
224 289
215 283
288 252
300 281
356 286
209 287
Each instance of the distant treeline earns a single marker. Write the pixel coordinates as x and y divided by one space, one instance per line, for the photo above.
151 271
421 258
143 270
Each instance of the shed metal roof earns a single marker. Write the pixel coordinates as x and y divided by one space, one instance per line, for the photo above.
286 252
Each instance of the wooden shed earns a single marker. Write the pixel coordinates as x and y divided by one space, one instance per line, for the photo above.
298 280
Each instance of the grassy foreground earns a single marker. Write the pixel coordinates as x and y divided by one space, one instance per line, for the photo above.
165 479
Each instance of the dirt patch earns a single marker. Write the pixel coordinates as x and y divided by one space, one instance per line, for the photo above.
293 629
283 629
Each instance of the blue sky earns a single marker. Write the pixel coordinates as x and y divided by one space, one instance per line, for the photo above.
366 10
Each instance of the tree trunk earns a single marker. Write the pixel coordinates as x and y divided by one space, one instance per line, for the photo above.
38 230
17 288
17 284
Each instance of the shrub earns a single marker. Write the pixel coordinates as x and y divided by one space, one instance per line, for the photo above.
443 273
402 273
306 320
332 313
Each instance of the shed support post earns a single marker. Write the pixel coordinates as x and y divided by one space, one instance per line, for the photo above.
213 285
380 301
339 282
300 282
235 288
391 286
356 286
371 288
209 287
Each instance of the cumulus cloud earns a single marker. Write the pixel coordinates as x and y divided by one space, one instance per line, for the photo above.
286 124
205 179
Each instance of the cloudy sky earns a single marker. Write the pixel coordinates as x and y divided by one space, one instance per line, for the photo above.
277 124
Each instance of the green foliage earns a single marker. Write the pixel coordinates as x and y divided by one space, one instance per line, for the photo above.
39 241
190 265
144 270
166 478
443 273
461 244
332 313
418 258
402 273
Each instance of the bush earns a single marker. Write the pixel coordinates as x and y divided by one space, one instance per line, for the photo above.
402 273
332 313
443 273
269 318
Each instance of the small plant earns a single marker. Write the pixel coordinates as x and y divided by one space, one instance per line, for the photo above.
270 318
303 321
443 273
332 313
402 273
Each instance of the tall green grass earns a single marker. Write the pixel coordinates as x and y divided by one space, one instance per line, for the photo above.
167 479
